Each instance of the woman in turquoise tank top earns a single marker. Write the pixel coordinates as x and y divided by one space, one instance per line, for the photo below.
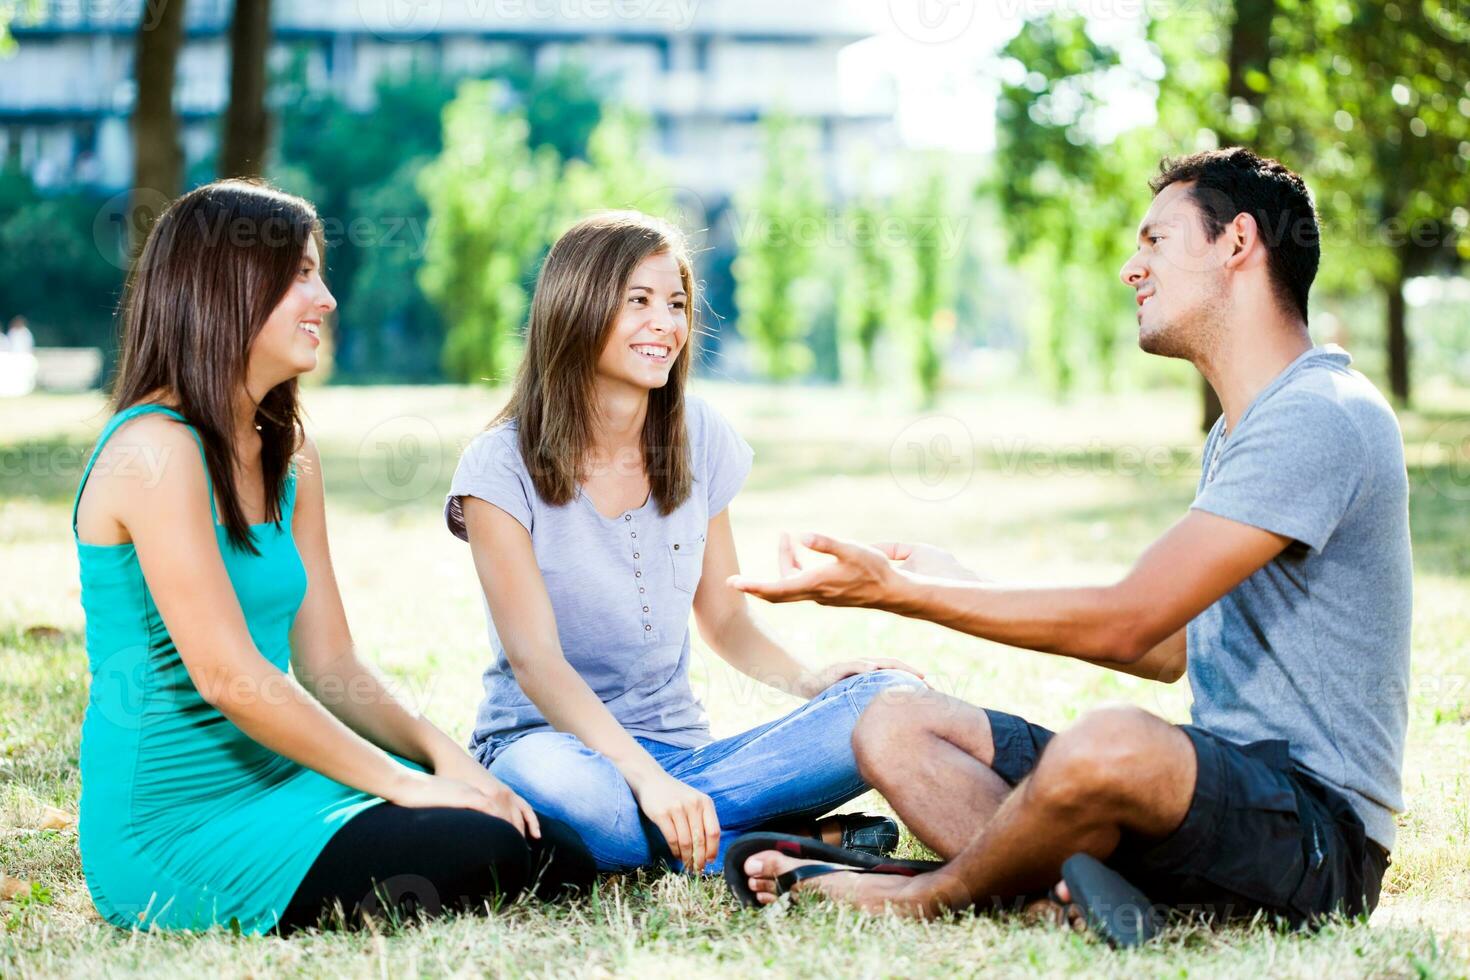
240 765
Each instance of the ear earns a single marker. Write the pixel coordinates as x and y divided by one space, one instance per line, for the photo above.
1246 246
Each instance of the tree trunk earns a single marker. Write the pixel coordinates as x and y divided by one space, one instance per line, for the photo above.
158 159
1249 50
247 125
1398 340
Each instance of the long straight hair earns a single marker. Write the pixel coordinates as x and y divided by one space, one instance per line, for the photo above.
210 273
579 293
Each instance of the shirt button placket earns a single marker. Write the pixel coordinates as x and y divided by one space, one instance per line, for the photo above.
638 574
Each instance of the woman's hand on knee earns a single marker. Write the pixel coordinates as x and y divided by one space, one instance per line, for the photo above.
463 767
487 794
685 816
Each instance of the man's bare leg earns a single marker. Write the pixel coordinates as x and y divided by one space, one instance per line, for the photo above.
1118 769
929 755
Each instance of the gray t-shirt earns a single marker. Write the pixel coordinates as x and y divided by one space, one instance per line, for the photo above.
1314 647
621 588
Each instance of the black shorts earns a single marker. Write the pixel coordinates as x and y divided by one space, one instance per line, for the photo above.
1261 834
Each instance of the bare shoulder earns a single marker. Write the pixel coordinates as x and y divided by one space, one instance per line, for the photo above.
150 460
149 450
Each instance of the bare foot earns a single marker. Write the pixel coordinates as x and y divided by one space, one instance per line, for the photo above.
870 892
1056 911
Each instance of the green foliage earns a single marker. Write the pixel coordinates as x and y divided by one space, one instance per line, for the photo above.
563 106
617 172
930 321
10 12
360 169
778 234
491 202
408 333
1069 195
1371 105
865 294
1379 104
52 268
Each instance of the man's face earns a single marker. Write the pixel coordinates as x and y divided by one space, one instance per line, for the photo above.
1178 276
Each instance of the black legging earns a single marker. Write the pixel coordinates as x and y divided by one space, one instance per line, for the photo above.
399 861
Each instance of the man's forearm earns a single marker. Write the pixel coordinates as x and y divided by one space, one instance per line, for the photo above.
1084 623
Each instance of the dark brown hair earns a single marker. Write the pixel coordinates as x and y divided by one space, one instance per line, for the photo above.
212 270
1235 181
579 293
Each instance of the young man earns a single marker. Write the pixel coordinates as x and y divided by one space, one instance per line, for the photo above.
1285 593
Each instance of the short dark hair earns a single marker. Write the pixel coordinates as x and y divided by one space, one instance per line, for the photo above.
1235 181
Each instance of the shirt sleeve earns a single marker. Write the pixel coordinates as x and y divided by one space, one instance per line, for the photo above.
727 459
1294 470
490 470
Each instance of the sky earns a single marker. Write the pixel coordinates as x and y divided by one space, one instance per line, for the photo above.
939 55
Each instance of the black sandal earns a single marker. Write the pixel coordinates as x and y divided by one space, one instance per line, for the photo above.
1111 905
871 833
837 859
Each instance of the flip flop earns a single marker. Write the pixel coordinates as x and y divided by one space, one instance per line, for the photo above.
1111 905
807 849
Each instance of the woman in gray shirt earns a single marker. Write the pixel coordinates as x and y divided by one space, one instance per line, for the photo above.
596 509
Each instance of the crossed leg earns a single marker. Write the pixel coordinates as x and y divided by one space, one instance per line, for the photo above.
1116 771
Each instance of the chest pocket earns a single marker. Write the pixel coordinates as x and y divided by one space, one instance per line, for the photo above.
688 559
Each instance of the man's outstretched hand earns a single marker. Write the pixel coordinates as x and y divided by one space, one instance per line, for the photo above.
858 576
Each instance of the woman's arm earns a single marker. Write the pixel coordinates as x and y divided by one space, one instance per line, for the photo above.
167 517
725 623
521 608
326 662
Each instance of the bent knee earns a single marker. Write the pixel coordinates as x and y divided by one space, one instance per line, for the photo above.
563 779
1110 754
890 724
881 686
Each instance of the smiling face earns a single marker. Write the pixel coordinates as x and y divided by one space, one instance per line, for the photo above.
287 345
1178 277
651 327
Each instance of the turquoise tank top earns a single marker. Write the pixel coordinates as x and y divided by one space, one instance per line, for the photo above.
186 822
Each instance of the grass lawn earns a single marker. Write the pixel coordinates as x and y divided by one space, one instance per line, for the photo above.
1021 489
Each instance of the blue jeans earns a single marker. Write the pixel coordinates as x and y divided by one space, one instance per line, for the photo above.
796 767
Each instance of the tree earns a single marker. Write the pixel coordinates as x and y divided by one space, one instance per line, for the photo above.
865 293
1391 141
490 200
1367 103
778 224
395 331
247 124
1069 193
618 172
11 11
930 291
359 169
51 267
158 159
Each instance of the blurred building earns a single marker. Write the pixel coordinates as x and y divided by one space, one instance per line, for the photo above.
705 70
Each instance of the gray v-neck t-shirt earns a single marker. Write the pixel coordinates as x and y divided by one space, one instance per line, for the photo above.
1314 647
621 587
